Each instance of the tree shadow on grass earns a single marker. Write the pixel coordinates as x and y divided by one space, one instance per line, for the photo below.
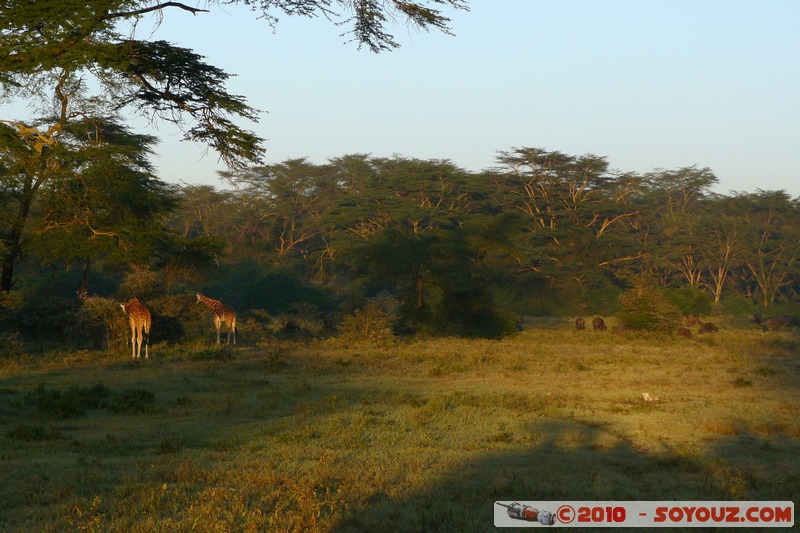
574 461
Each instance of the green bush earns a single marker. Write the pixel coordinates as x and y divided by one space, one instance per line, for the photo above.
738 305
690 300
134 402
74 402
375 322
648 309
100 323
179 318
33 433
11 344
470 312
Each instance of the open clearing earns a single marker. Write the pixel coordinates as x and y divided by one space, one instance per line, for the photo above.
409 436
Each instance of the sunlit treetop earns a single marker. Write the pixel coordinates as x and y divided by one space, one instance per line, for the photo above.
72 58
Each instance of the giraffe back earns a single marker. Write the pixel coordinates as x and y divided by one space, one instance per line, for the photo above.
137 314
218 309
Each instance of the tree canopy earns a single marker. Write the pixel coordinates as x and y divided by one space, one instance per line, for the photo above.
459 252
76 63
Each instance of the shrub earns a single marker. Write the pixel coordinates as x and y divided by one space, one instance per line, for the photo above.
179 318
134 402
32 433
74 402
141 284
213 352
11 344
375 322
738 305
690 300
100 323
648 309
470 312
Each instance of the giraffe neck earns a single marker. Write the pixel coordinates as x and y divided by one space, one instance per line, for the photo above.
215 305
208 302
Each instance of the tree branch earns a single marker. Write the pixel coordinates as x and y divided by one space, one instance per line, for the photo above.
157 7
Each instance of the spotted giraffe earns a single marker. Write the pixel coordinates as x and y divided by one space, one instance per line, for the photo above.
220 313
140 320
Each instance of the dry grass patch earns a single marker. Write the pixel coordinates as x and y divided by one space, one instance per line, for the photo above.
345 436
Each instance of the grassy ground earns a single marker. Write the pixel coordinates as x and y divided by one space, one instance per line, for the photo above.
419 436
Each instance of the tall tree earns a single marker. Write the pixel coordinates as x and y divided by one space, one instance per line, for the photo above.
286 201
103 202
771 253
572 206
73 60
677 201
720 242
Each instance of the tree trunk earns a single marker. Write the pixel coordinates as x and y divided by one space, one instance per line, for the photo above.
14 236
9 259
84 288
7 274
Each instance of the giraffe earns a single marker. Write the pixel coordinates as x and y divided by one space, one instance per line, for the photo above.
220 313
140 321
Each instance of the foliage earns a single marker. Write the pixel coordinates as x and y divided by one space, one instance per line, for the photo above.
70 403
375 322
133 402
739 305
33 433
463 253
690 300
11 344
644 308
78 66
101 322
544 232
367 19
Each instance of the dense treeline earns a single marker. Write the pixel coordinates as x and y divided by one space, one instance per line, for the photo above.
457 252
415 245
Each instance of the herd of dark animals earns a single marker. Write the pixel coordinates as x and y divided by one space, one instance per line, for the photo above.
775 323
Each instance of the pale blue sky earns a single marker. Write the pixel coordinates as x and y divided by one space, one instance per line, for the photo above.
648 84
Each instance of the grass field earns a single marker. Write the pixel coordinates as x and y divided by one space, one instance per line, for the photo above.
410 436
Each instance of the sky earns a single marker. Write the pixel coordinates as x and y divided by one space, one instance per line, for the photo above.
649 84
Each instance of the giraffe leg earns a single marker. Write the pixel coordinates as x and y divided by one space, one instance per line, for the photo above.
146 343
133 342
218 328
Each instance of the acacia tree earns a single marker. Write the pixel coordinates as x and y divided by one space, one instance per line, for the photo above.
771 237
721 242
285 202
104 201
573 207
677 201
72 60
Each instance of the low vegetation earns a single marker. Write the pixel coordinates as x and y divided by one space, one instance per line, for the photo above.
349 434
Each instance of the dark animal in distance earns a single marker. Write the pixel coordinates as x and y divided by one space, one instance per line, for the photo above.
685 332
777 323
619 330
580 324
327 319
707 327
692 320
598 324
291 326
